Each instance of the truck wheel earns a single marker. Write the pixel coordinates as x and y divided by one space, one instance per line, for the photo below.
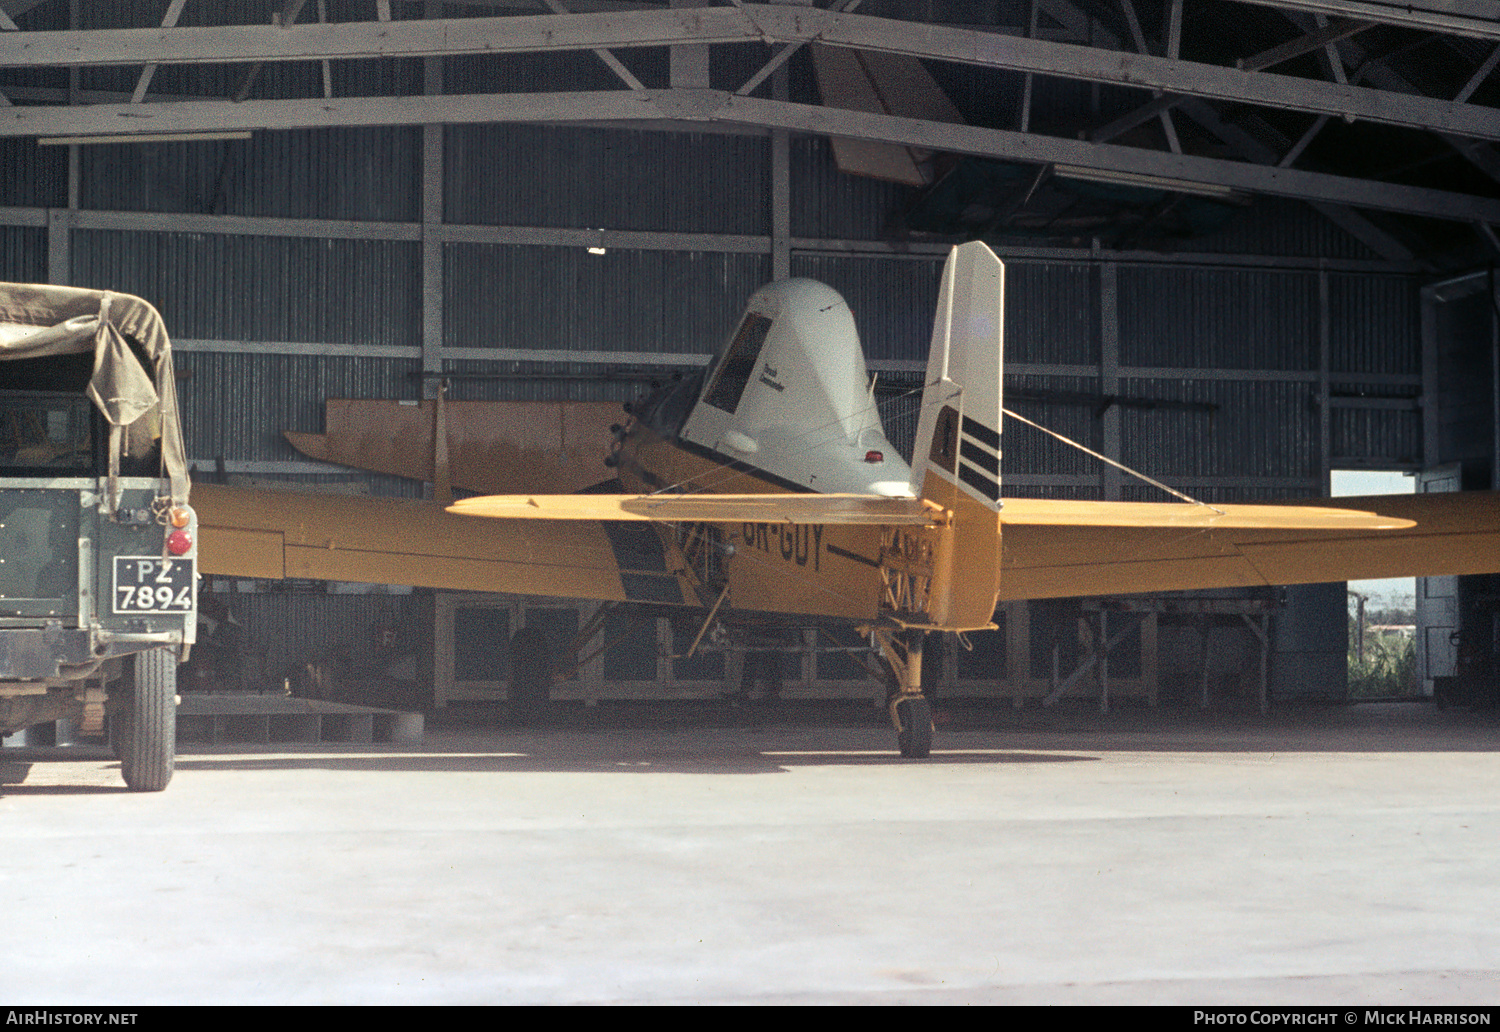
146 740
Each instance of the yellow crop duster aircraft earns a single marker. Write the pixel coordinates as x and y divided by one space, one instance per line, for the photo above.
765 486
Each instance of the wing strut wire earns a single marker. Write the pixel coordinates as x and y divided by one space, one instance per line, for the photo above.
1112 462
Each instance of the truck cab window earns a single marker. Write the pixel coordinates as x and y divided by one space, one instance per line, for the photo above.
47 433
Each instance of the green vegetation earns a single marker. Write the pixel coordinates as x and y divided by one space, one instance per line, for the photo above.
1388 668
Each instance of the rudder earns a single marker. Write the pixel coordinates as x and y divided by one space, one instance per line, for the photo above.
956 457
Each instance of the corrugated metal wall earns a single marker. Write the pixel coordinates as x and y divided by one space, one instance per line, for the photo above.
1218 318
1467 433
378 175
826 204
1280 227
259 288
527 175
556 299
23 254
236 406
892 301
561 298
35 176
1255 429
1050 313
1030 452
1375 325
1376 436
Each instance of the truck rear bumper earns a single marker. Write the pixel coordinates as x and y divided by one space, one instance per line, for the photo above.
66 653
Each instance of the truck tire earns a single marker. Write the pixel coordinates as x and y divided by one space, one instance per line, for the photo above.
146 741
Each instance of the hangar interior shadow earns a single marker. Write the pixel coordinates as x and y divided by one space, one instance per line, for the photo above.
688 739
535 755
628 740
1302 727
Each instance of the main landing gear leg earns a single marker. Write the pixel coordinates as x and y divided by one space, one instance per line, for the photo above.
911 713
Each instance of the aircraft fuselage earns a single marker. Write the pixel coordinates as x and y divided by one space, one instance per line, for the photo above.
772 567
786 407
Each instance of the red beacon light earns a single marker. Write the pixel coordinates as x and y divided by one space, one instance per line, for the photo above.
874 456
179 542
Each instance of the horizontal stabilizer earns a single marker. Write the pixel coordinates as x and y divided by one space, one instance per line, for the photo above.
868 510
1070 513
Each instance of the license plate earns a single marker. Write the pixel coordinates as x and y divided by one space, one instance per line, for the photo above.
151 584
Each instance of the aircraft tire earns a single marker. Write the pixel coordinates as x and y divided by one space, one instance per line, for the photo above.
915 736
530 675
145 736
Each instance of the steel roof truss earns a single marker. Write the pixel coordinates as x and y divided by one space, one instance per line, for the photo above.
690 107
529 33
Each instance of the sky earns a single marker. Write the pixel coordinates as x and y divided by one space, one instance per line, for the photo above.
1382 594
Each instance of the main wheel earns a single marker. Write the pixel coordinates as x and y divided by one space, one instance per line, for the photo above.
915 735
145 735
530 675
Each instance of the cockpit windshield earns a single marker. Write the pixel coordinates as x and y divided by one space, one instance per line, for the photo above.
666 409
738 364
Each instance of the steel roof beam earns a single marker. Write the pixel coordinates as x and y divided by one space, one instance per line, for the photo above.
1352 54
1067 60
1304 44
610 60
174 11
533 33
1247 146
1110 158
1455 17
713 107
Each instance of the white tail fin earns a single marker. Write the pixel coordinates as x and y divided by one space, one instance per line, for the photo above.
958 435
956 456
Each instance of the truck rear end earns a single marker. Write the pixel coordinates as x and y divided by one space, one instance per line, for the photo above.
98 544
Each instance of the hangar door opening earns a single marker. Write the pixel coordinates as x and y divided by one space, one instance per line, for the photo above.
1437 615
1382 619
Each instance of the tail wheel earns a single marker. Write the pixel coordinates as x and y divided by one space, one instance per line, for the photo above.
914 735
145 732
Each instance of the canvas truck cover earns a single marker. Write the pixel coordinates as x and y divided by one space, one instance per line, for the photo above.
138 401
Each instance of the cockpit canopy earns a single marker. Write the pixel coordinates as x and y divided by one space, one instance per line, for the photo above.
790 395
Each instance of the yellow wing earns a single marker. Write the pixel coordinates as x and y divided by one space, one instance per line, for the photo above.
1048 512
602 546
1058 555
275 534
861 510
870 510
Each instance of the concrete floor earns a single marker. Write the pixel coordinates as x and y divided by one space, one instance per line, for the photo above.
1327 856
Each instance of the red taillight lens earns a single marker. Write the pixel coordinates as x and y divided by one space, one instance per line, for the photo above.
874 456
179 542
